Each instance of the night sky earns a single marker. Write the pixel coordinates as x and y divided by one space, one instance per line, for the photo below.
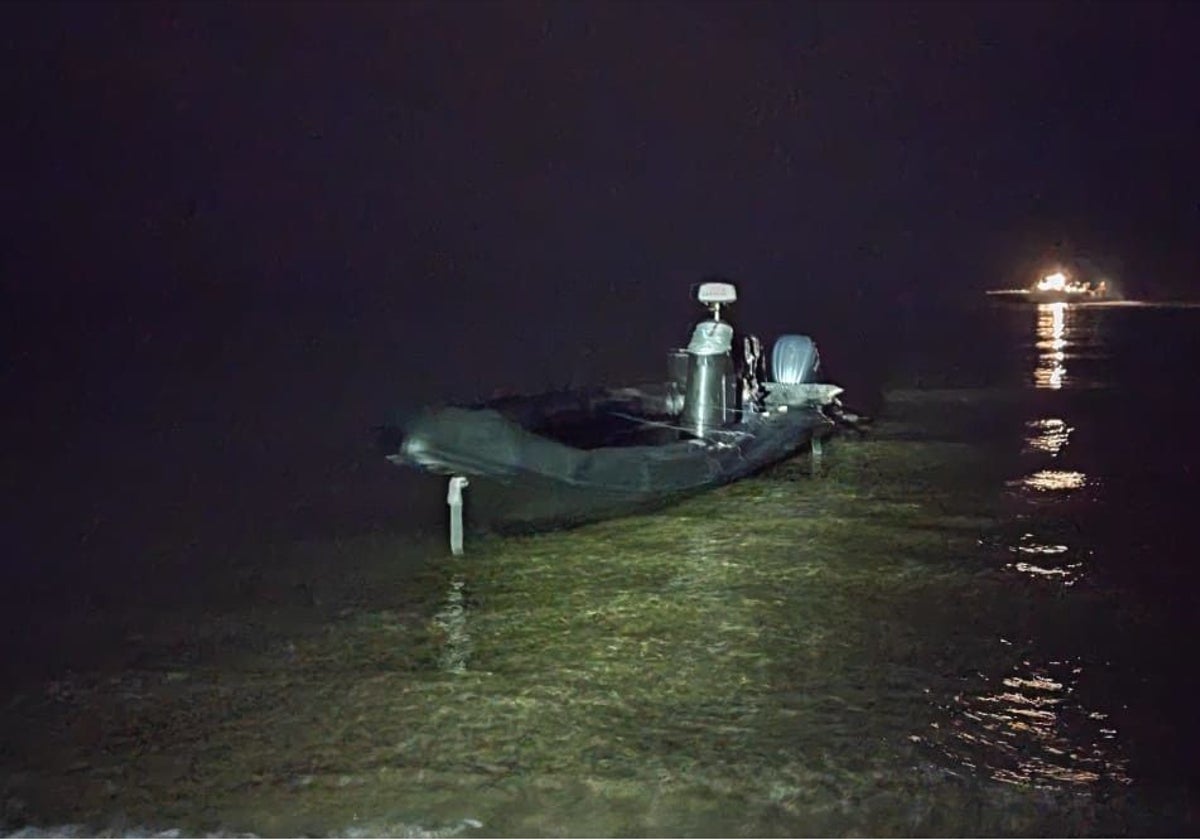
245 229
441 151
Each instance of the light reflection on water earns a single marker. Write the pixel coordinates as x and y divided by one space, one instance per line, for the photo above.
1070 347
1044 481
1049 561
1029 728
1049 435
820 649
1051 343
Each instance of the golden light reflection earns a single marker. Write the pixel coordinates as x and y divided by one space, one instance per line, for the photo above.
1031 730
1047 561
1048 435
1051 372
1044 481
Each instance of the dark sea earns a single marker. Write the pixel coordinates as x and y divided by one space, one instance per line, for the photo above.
225 615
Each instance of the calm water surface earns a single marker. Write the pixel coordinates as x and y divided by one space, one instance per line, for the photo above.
975 621
978 619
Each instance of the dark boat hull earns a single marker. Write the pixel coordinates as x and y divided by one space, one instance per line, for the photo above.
525 474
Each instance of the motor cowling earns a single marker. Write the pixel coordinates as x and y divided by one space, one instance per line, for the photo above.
794 360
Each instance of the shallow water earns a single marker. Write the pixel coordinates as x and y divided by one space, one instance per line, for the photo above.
973 621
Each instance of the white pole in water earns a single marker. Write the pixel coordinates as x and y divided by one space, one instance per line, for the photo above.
454 498
816 451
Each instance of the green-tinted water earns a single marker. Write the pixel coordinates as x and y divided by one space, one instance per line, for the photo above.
855 648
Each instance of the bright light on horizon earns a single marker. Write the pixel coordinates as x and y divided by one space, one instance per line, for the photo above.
1055 282
1060 283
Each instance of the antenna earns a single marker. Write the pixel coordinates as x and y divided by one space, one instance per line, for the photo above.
713 294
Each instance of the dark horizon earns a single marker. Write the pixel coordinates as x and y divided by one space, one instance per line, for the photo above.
495 150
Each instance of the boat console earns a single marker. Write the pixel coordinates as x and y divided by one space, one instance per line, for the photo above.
711 391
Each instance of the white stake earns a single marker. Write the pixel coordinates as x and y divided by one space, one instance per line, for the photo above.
454 498
816 452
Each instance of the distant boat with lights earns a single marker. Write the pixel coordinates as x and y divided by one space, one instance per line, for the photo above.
566 457
1058 287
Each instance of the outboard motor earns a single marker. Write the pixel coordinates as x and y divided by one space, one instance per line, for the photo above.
710 396
794 360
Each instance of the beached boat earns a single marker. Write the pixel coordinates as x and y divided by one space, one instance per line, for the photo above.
563 458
